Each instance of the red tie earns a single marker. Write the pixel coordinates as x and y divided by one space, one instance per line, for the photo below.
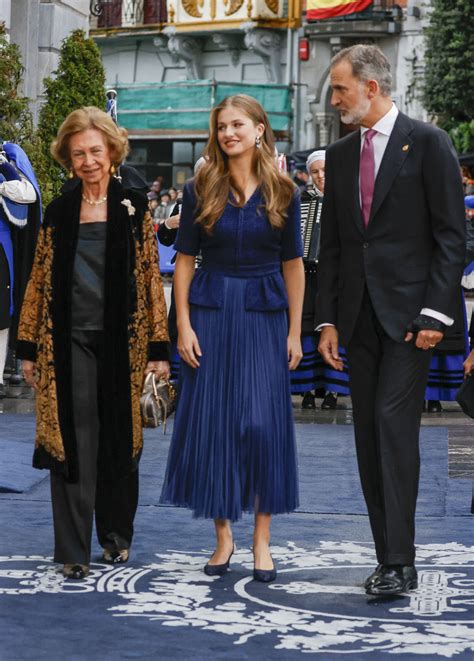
367 175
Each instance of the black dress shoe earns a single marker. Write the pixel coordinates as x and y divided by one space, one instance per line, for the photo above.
219 570
329 401
309 401
115 557
394 579
76 572
434 406
265 575
370 580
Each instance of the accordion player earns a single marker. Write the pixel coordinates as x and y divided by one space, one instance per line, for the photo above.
311 208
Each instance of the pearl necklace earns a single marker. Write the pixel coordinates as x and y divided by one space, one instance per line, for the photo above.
95 203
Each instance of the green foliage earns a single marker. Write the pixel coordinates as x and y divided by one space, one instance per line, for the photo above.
16 123
462 135
449 83
78 81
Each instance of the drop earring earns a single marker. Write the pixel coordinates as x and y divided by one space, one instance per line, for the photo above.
112 169
70 174
258 142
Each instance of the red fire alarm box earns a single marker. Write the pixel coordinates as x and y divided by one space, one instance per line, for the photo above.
304 49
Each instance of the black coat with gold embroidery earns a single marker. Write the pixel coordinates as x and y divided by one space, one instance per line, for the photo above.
135 328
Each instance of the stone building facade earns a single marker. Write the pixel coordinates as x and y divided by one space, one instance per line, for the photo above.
38 27
172 60
397 28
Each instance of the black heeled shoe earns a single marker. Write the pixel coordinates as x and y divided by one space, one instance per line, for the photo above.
219 570
264 575
115 557
76 572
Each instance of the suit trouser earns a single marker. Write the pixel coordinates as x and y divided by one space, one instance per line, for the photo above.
113 499
387 380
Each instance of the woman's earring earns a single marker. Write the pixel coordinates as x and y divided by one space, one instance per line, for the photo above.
70 174
258 142
112 169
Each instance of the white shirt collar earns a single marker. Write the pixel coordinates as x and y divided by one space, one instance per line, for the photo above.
385 124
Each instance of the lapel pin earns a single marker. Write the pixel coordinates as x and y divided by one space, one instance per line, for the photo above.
405 147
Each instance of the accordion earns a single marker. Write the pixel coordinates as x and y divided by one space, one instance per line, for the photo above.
311 208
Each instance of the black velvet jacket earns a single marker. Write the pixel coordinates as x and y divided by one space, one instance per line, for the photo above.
135 327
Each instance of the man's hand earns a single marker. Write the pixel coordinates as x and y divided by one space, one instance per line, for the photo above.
329 348
469 364
425 339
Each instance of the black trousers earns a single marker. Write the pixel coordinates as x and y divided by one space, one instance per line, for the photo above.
113 500
388 381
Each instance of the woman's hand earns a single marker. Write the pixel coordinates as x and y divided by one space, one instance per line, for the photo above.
469 364
29 372
188 346
295 352
160 367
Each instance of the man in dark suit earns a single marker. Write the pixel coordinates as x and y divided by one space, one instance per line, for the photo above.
392 251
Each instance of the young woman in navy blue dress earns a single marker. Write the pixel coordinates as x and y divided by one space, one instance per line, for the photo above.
239 321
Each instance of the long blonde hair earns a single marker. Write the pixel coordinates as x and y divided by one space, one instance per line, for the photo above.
213 181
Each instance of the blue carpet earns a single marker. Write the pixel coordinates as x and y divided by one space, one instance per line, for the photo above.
17 434
329 481
161 605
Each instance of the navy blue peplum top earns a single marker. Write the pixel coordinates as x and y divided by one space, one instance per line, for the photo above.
243 244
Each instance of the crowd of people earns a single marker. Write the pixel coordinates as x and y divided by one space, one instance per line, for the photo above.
360 263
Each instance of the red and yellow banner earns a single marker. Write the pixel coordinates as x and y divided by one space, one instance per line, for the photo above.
317 9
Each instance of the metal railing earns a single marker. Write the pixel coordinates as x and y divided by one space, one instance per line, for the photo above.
128 13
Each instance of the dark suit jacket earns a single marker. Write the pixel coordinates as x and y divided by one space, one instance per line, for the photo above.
411 255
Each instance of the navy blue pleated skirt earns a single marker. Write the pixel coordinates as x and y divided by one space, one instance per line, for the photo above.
233 446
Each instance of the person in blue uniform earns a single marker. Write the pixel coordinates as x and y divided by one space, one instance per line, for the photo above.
20 218
239 324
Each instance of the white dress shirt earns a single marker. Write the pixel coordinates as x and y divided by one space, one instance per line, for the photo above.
384 128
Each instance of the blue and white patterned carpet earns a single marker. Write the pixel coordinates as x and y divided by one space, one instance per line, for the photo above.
162 606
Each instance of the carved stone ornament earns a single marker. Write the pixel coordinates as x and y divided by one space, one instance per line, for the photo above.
192 7
272 5
232 6
266 44
188 50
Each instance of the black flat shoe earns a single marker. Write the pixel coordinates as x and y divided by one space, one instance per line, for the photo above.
309 401
115 557
394 579
76 572
219 570
265 575
329 402
434 406
370 580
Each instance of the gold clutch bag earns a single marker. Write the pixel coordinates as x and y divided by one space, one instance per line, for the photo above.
157 401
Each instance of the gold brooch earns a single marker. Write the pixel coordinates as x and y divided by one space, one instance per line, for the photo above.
405 147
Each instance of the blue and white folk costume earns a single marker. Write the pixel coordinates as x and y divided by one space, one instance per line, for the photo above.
20 218
313 374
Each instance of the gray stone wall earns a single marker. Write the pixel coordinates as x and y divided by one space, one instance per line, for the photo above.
38 27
